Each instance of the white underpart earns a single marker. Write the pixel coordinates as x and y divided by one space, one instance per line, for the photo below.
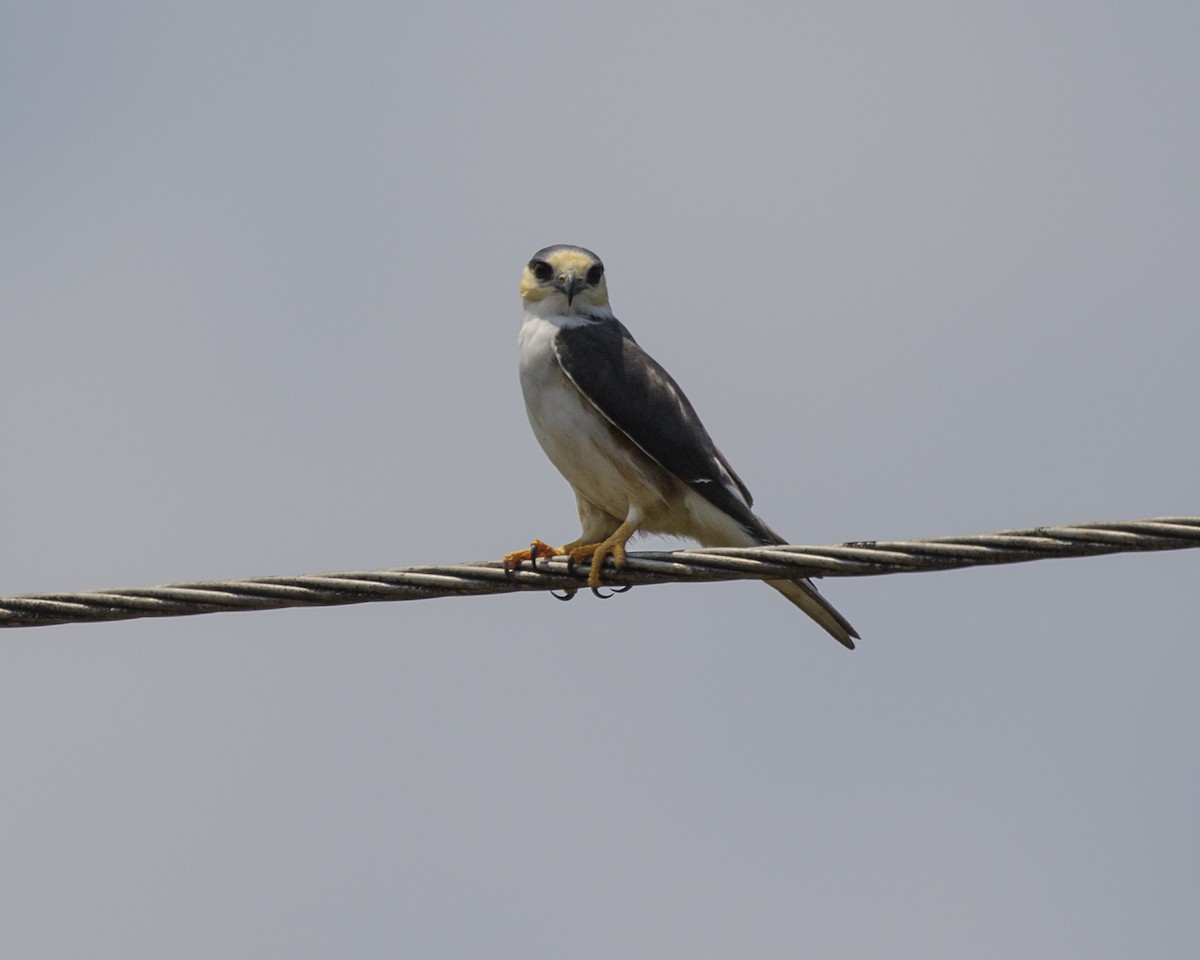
575 436
601 468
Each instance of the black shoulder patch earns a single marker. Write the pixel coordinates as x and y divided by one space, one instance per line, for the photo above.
640 398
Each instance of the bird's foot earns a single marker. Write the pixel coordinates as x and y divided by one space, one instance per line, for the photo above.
536 549
613 547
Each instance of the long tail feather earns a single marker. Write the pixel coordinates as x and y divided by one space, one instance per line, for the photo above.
804 595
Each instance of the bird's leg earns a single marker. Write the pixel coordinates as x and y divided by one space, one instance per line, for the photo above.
536 549
612 546
569 549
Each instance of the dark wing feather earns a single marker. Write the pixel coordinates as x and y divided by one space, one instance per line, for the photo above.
638 396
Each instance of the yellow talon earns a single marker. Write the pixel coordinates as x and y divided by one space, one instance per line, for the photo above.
613 547
536 549
597 553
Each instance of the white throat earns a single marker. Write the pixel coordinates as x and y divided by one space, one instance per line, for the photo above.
555 310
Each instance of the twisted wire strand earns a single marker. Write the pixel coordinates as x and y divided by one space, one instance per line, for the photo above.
857 559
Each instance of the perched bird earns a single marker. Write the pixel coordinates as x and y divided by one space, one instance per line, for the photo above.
624 436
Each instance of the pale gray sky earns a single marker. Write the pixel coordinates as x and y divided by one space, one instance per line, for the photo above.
922 270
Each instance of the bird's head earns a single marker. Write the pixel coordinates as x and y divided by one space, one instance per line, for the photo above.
565 280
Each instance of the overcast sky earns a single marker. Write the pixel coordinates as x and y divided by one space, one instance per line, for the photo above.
923 269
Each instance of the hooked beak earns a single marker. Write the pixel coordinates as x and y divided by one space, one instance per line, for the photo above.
568 284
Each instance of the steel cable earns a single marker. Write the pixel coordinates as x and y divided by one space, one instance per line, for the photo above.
857 559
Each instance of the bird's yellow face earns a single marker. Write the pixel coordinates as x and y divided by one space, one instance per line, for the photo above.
573 274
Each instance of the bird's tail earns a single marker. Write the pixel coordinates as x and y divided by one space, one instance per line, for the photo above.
804 595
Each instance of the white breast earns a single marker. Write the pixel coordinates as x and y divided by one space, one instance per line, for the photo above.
597 460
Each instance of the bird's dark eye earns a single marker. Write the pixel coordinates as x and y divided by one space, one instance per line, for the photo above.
594 275
541 269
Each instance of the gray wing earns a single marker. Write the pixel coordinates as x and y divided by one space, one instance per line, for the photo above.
640 398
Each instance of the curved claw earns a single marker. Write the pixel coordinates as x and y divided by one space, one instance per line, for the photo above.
564 596
536 550
611 591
